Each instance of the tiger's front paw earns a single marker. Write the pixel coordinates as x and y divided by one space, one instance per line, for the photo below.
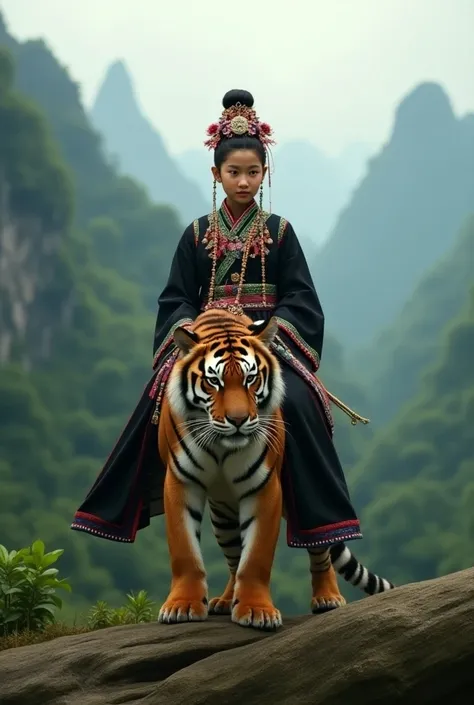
181 609
220 605
259 614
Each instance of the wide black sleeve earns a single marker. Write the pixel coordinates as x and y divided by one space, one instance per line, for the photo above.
178 303
298 311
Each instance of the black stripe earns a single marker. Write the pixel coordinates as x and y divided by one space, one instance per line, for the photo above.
349 569
257 489
245 524
185 446
197 516
336 551
268 375
360 568
184 382
371 584
320 561
185 473
186 449
225 506
240 350
217 512
225 525
196 398
231 543
253 468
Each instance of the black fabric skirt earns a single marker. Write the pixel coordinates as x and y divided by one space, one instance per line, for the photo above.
129 488
319 509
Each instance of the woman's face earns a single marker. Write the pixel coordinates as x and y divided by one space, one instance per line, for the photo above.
241 175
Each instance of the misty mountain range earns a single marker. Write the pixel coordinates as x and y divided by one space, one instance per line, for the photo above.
308 187
370 224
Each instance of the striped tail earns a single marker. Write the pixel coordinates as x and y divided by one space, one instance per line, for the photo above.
347 565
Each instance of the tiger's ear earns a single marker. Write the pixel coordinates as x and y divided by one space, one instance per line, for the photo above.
185 339
265 330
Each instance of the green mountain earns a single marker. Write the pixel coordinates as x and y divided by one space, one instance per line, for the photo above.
139 149
34 274
392 366
140 241
416 481
402 218
96 258
75 341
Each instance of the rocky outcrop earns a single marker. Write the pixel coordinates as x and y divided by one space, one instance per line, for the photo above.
32 303
413 645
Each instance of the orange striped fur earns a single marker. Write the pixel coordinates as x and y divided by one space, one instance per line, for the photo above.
221 436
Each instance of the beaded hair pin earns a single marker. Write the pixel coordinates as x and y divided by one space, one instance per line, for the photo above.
238 120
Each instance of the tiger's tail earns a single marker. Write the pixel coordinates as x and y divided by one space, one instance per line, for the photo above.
347 565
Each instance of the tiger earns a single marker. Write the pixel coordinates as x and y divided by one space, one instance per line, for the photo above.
221 437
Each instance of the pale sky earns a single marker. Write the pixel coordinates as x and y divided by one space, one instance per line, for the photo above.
330 71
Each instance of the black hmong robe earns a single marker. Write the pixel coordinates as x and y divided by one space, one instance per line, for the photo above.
129 488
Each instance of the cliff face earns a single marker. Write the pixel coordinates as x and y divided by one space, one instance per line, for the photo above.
35 217
30 308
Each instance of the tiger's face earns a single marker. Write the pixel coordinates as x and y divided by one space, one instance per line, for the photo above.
228 383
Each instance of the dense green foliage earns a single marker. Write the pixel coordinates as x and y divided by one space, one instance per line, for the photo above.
391 367
416 481
30 605
143 234
30 160
28 588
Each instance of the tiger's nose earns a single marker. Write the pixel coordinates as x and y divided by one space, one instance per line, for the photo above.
237 419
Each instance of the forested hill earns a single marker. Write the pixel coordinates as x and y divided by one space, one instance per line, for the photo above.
76 346
36 207
60 416
392 366
139 148
416 481
403 216
133 235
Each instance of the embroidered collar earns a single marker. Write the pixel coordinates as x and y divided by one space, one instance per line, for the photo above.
235 224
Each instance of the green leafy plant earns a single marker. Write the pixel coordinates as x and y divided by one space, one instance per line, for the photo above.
137 609
100 616
28 584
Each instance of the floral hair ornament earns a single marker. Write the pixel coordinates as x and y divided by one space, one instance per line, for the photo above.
239 120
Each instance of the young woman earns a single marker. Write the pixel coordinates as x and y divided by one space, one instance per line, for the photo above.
245 259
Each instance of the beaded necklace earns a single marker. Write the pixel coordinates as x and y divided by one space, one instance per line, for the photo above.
257 230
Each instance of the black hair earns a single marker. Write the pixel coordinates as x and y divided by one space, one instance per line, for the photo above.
229 144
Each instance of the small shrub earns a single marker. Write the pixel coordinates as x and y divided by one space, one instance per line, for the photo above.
28 584
29 603
137 609
140 608
100 616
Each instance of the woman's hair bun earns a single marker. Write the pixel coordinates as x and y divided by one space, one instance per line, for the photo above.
237 96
